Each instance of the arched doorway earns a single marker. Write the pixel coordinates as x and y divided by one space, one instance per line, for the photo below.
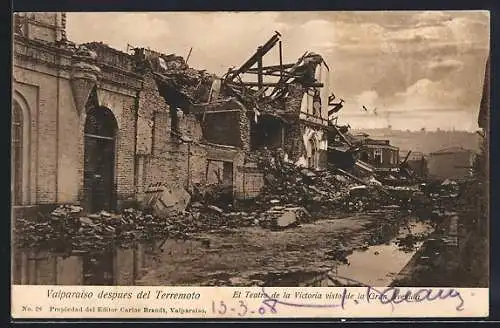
17 153
99 159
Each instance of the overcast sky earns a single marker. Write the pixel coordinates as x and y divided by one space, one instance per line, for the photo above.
418 69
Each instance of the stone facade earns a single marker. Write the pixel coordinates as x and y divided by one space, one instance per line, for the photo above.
306 134
59 91
56 84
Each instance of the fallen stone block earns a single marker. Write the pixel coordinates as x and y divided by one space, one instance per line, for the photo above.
215 209
171 202
287 219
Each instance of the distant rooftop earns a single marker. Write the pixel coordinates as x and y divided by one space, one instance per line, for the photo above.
451 150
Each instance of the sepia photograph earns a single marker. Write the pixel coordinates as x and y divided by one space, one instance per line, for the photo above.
250 149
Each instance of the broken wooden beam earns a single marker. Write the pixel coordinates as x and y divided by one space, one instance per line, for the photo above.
347 141
281 58
285 78
406 159
274 73
273 68
256 56
260 77
350 175
273 84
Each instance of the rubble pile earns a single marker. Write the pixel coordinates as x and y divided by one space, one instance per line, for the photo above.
174 73
212 194
302 191
68 229
280 217
193 84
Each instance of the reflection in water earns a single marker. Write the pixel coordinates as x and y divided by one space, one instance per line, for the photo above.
377 265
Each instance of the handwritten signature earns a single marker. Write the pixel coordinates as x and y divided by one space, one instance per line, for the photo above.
389 296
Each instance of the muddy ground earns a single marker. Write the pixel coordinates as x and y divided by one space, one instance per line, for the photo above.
257 256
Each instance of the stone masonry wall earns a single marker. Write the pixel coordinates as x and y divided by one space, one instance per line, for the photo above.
146 152
166 156
39 87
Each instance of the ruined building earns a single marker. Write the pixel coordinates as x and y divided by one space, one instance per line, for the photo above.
451 163
95 126
380 153
90 127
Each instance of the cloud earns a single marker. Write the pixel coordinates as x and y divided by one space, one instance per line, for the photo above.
316 35
389 60
445 66
219 39
422 87
426 94
367 98
413 120
117 29
469 32
432 18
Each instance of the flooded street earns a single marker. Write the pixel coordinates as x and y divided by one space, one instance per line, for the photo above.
370 248
376 265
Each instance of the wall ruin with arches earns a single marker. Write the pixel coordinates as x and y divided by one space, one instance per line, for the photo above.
56 83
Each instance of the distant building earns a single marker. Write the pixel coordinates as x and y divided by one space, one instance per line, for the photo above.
451 163
414 155
416 161
380 153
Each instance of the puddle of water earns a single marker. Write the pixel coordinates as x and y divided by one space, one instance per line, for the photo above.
377 265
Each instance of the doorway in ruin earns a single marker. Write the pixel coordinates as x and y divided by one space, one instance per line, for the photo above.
269 132
99 159
313 159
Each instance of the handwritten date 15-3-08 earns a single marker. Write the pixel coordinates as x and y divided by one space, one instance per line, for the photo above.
241 308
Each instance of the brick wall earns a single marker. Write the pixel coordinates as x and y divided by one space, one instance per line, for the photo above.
70 157
149 102
124 108
43 26
244 125
227 128
323 158
167 162
294 100
250 181
56 172
181 164
146 152
390 157
40 89
222 128
294 144
27 96
125 161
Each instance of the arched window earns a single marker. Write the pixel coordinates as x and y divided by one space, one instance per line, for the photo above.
17 153
20 151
